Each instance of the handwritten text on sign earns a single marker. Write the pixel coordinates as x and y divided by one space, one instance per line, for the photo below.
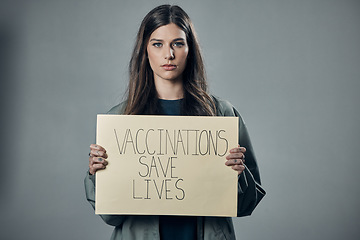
166 165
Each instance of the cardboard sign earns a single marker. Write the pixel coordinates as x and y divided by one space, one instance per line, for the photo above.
167 165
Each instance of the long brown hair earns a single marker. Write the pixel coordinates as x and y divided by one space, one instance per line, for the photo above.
142 95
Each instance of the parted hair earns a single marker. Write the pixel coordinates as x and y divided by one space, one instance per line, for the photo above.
141 93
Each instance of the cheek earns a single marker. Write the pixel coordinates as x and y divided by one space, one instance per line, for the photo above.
151 57
148 54
185 55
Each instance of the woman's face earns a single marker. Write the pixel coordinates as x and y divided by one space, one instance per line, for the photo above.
167 51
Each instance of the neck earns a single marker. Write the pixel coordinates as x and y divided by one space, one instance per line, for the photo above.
169 89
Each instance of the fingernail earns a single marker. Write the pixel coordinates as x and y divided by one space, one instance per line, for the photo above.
100 159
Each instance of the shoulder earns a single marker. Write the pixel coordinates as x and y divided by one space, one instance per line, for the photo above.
223 107
118 109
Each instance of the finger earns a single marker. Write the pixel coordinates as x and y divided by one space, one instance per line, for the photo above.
238 168
98 160
233 162
98 166
235 150
97 147
95 167
102 161
238 155
238 149
98 153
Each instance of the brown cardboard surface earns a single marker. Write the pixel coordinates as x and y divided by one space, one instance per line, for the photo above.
166 165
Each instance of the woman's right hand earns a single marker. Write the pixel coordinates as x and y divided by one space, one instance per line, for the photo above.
97 158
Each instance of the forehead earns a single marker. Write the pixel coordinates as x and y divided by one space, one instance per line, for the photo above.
168 32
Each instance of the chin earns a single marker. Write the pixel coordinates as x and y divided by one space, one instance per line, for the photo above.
170 77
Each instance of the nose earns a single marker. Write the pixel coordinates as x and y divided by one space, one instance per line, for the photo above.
169 54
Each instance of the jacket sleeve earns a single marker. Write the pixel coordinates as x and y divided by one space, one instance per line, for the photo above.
113 220
250 191
89 181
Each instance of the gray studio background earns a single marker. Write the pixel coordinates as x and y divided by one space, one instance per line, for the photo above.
291 67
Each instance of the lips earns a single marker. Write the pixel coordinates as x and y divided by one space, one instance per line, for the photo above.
169 67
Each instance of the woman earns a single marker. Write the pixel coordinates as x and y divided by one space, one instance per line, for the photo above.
167 77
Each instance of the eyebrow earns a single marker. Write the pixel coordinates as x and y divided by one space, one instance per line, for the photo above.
160 40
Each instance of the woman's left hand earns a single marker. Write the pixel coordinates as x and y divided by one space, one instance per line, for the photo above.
236 159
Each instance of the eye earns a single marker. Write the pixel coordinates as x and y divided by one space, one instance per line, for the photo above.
178 44
157 44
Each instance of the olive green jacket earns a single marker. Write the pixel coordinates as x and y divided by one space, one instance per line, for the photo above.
128 227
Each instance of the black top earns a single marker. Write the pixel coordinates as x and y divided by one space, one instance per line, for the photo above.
175 227
170 107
